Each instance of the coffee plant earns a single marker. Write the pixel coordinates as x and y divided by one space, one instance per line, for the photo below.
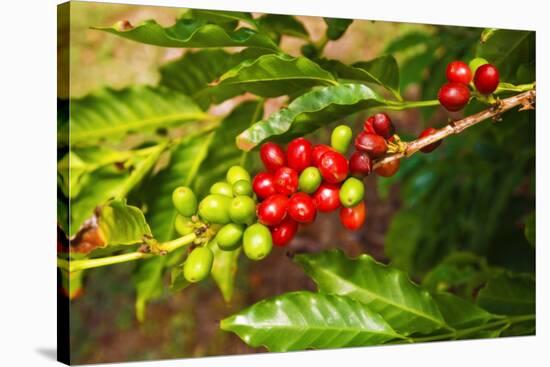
154 178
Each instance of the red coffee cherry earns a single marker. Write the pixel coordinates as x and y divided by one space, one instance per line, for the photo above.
284 232
302 208
373 144
272 210
368 125
317 152
333 167
327 197
453 96
459 72
433 146
273 156
360 164
382 125
353 218
263 185
299 154
286 180
486 79
388 169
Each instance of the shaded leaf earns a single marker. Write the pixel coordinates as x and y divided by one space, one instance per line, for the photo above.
310 111
530 228
386 290
279 24
460 314
402 239
224 269
190 33
336 27
300 320
407 41
148 282
509 294
122 224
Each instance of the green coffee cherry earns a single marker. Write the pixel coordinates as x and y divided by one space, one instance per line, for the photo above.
341 138
184 225
476 63
198 264
257 241
222 188
310 179
229 236
242 187
242 210
215 209
185 201
236 173
352 192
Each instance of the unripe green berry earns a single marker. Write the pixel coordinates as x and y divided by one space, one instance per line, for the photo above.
198 264
184 225
310 179
352 192
476 63
184 201
229 236
242 210
341 138
257 241
215 209
222 188
236 173
242 187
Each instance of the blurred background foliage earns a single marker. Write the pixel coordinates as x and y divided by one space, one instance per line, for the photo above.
450 219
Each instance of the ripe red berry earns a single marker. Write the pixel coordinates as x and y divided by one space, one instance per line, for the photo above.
368 125
263 185
273 156
382 125
284 232
373 144
299 154
286 180
360 164
302 208
272 210
453 96
388 169
459 72
486 79
327 197
353 218
429 148
317 152
333 167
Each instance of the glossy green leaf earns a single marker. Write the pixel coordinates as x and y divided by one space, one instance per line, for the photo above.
530 228
190 33
382 71
460 314
267 76
509 294
302 320
336 27
220 16
279 24
310 111
386 290
122 224
224 269
110 114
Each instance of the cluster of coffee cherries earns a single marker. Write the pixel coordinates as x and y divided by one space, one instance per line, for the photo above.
455 94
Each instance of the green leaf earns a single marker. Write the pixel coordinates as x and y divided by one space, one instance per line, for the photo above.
278 24
310 111
402 239
487 33
190 33
267 76
530 228
224 269
148 283
407 41
177 280
220 17
336 27
122 224
386 290
461 314
382 71
301 320
110 114
509 294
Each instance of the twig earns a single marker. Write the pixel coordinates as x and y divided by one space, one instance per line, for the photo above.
525 99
